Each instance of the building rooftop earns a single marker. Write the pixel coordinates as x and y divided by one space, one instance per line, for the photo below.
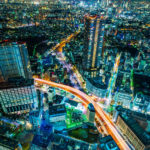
91 107
9 143
97 82
16 82
136 128
62 142
58 98
107 143
57 109
46 128
35 113
134 114
143 97
9 121
143 86
11 43
41 141
73 103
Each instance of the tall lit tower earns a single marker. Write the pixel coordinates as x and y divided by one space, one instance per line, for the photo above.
94 34
14 61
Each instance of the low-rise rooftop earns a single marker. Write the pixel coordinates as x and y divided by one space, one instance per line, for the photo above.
8 143
107 143
57 109
41 141
98 83
61 142
73 103
91 107
16 82
35 113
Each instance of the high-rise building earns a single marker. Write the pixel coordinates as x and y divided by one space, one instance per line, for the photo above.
18 96
94 34
14 61
90 113
135 126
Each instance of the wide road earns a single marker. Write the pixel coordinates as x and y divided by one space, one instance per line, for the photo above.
113 79
99 111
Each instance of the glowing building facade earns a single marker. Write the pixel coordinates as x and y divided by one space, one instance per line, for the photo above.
94 35
14 61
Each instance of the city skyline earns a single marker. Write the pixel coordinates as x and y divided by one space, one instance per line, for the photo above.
74 75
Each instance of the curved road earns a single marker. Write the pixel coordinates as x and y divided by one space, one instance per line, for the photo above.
99 111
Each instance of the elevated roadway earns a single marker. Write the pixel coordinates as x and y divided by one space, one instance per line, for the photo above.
110 126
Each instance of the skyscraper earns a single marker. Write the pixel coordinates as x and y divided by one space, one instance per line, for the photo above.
94 34
14 61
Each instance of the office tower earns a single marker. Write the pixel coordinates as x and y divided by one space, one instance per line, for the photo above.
90 113
18 95
14 61
94 34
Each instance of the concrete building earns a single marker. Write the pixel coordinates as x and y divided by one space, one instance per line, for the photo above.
60 142
91 113
14 61
107 143
9 144
18 95
141 102
46 128
35 118
124 98
97 87
40 142
73 104
57 116
10 128
131 125
142 88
